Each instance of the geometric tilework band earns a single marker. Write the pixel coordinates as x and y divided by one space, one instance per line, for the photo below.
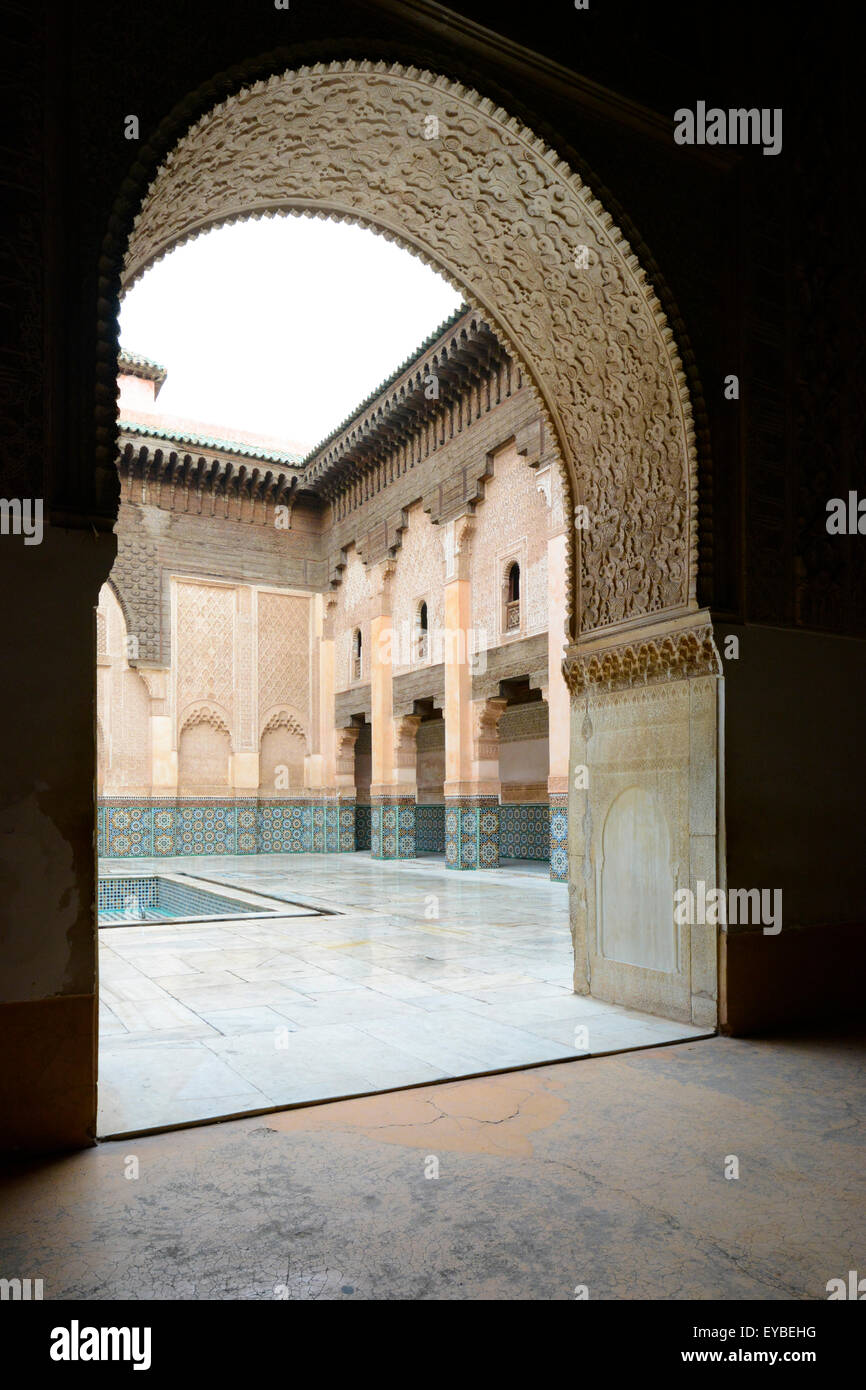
471 832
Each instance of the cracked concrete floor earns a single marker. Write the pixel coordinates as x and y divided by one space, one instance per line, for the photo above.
608 1172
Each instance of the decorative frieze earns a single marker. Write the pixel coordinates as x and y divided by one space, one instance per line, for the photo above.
135 829
527 721
677 655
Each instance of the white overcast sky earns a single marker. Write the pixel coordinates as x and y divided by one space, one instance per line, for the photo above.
281 326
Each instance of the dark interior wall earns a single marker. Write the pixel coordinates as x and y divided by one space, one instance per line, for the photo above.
757 252
795 770
794 773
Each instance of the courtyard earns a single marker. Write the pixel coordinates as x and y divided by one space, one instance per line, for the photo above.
384 974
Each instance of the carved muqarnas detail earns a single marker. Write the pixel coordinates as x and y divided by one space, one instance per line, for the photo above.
677 656
282 720
506 220
205 714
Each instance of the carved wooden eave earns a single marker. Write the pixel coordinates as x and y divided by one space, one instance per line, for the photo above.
461 357
169 475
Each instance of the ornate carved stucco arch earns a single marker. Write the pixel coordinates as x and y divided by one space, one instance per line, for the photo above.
203 712
499 214
284 717
115 591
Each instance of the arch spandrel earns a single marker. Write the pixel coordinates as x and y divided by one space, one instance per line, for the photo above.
504 219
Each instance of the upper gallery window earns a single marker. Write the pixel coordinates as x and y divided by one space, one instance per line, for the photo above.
512 598
421 633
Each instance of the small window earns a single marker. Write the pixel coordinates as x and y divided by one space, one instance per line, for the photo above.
356 654
512 599
421 636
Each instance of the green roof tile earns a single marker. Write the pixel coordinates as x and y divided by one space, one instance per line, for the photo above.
389 381
225 446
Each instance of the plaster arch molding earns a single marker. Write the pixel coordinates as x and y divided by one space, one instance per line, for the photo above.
204 713
284 717
484 202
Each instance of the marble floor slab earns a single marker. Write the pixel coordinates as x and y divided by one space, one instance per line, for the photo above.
419 975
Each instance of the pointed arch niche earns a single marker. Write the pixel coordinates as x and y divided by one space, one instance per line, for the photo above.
462 184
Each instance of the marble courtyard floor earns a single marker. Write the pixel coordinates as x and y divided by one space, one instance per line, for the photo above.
420 975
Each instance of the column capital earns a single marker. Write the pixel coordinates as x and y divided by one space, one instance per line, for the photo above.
457 543
329 614
404 760
486 715
344 755
379 578
157 682
405 729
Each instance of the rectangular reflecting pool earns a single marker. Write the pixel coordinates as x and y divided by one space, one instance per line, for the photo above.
126 901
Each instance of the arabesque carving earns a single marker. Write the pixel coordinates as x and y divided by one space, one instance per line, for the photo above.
405 747
673 656
486 715
516 230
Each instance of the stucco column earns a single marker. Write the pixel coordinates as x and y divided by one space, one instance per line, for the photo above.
558 708
557 695
455 656
344 790
319 762
645 822
392 791
381 682
245 773
471 744
245 758
332 823
163 755
394 819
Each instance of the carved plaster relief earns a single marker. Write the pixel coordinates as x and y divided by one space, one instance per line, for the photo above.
510 224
